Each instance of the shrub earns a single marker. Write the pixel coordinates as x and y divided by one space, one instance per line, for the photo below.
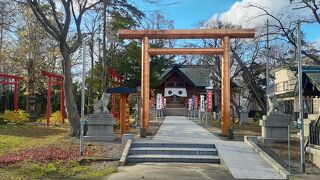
16 117
56 118
257 116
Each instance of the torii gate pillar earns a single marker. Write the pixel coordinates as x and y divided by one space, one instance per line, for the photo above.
225 86
145 82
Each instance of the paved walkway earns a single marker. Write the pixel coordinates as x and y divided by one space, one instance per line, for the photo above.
171 171
239 158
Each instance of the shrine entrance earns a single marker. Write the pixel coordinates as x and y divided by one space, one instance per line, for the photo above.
224 34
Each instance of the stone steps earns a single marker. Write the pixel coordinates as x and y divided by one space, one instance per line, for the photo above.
175 105
162 144
139 158
175 112
172 152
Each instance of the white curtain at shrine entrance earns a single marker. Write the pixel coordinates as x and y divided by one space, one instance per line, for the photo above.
181 92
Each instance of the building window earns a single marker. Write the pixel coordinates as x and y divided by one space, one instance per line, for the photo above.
175 84
179 84
169 84
285 85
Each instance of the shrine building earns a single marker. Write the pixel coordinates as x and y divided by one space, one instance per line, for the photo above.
179 83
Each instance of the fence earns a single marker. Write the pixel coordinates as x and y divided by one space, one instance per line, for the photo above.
314 133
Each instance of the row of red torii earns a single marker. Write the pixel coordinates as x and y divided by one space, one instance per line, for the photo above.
55 80
52 80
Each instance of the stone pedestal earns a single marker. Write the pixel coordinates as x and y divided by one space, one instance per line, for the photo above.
100 127
314 154
275 128
31 107
244 117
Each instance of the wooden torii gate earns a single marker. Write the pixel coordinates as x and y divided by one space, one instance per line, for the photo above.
224 34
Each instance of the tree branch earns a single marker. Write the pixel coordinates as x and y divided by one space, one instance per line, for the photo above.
55 16
42 21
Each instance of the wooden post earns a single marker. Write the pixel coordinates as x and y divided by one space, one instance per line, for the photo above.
62 102
48 102
225 88
113 105
145 85
123 110
127 114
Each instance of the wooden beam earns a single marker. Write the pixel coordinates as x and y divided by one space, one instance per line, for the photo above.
187 34
10 76
185 51
48 74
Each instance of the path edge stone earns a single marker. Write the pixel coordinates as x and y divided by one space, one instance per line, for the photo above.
125 153
252 142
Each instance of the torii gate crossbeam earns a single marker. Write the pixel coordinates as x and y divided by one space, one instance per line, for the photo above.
224 34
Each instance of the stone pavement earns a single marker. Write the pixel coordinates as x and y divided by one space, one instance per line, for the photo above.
238 157
171 171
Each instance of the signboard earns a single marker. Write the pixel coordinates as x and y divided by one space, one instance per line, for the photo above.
190 104
195 102
153 98
164 104
159 101
209 101
202 109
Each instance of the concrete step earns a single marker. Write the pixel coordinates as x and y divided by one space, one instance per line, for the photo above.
139 158
179 145
173 150
175 106
175 112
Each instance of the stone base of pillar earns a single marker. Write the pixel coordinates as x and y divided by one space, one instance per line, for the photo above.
275 128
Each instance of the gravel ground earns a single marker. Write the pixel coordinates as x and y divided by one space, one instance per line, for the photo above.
279 152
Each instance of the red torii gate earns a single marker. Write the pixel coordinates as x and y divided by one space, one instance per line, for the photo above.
117 80
15 82
54 79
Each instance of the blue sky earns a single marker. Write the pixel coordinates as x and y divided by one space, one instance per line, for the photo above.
186 13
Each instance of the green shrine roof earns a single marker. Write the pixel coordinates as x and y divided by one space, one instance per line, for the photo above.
314 79
196 75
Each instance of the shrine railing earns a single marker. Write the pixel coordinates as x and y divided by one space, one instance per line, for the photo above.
314 133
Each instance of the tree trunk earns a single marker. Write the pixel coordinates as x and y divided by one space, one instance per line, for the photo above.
247 76
236 106
71 106
90 88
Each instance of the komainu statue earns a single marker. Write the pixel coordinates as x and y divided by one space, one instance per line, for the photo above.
274 105
101 106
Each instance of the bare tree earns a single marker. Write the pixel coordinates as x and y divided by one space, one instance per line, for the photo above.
92 27
312 5
246 63
59 28
285 29
7 18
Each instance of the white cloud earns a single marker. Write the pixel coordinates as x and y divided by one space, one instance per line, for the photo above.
240 13
316 44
